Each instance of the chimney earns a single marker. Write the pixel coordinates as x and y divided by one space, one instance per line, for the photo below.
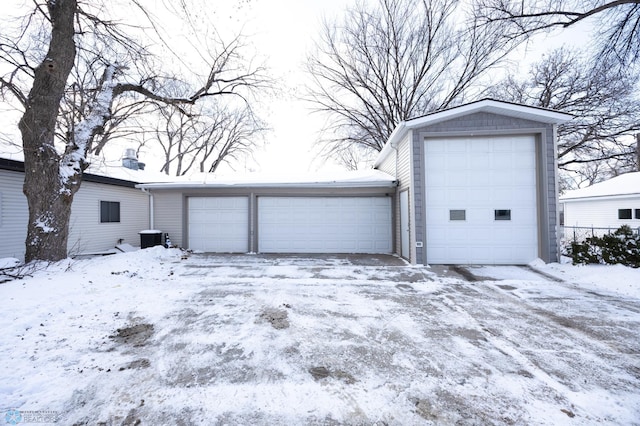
130 160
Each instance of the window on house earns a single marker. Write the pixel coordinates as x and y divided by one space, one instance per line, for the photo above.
502 214
637 213
624 213
457 214
109 211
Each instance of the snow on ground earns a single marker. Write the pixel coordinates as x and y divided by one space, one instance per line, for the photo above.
616 279
607 278
155 337
8 262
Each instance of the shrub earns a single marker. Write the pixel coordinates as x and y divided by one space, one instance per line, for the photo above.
623 247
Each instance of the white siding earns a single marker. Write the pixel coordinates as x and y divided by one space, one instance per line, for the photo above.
398 164
405 183
404 163
600 213
87 234
389 164
14 214
168 210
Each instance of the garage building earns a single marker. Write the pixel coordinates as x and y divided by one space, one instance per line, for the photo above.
474 184
342 213
477 184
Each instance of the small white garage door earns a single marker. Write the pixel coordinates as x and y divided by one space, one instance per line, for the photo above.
219 224
324 225
481 202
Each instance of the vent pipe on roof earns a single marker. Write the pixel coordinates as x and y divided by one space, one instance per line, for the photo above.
130 153
130 159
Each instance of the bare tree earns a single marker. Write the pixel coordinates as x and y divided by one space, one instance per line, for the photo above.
598 142
206 139
393 60
241 133
40 59
617 32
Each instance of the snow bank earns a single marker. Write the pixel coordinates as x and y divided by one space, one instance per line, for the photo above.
617 279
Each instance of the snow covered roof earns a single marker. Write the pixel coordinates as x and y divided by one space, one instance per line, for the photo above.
541 115
347 179
116 170
624 185
113 171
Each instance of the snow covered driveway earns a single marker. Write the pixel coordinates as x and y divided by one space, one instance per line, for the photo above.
151 337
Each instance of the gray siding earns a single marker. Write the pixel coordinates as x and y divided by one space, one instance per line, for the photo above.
14 214
88 235
482 123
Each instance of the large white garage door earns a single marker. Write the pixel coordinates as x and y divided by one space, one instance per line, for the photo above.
219 224
324 224
481 203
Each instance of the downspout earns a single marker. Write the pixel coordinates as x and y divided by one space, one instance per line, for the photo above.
151 215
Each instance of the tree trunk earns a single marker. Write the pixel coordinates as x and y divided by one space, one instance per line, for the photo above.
49 193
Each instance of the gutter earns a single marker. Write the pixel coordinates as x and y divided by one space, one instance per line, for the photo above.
599 197
327 185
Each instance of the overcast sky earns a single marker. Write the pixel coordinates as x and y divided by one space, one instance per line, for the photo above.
284 30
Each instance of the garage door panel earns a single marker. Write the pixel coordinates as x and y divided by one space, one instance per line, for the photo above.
219 224
523 161
324 224
498 173
480 160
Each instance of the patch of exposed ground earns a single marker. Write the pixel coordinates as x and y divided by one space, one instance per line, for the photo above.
278 318
135 335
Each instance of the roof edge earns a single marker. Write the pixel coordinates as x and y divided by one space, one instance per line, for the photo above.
18 166
292 185
599 197
487 104
556 116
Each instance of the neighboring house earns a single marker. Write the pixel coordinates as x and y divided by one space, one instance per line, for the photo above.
105 211
475 184
609 204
